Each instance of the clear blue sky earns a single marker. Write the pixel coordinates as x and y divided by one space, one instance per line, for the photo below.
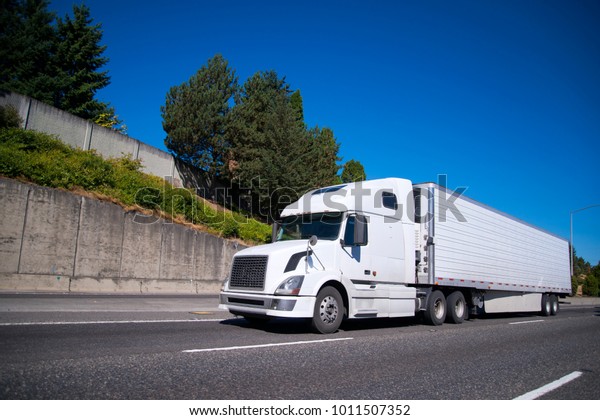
503 96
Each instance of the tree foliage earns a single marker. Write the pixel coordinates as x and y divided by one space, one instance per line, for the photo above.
196 116
27 47
259 143
269 147
324 158
297 104
585 275
111 120
590 285
54 60
353 171
78 60
9 117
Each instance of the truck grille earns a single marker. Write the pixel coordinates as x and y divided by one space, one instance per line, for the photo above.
248 272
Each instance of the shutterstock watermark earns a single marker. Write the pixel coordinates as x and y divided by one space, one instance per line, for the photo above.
421 203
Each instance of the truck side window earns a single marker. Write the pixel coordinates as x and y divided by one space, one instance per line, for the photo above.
389 200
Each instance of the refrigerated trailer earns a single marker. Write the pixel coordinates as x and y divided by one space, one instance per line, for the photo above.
391 248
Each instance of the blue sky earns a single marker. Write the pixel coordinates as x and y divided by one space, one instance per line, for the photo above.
503 96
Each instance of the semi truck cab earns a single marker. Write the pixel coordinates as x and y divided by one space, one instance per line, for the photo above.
340 251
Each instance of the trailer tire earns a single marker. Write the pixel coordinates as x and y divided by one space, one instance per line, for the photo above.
435 312
546 305
329 311
456 308
554 306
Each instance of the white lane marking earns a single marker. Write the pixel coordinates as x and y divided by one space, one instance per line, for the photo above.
536 393
257 346
525 322
148 321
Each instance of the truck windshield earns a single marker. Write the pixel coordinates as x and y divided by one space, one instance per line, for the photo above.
325 226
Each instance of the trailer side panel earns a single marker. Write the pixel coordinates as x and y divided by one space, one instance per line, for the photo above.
479 247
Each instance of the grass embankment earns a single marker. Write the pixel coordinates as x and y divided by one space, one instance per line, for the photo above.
45 160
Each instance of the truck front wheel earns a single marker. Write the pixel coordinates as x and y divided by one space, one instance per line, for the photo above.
329 311
435 312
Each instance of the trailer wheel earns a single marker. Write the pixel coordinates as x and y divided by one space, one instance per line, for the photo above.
546 305
329 311
435 312
554 307
457 307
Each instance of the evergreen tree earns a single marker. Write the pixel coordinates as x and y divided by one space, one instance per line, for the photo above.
57 64
27 47
353 172
78 60
323 161
196 116
297 105
270 148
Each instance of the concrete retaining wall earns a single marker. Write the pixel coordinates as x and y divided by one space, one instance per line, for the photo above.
78 132
52 240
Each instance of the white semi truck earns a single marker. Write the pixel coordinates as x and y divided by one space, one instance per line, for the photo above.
390 248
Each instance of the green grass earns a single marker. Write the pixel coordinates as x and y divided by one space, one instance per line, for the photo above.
45 160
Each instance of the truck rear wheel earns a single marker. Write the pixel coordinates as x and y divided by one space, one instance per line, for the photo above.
457 307
435 312
554 307
329 311
546 305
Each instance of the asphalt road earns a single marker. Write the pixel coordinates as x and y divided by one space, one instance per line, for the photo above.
107 347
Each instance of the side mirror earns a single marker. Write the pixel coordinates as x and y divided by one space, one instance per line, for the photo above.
360 230
356 231
313 240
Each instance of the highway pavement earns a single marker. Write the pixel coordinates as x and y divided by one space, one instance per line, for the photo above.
183 347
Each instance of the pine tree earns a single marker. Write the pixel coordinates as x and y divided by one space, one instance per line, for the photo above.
270 149
27 46
78 60
324 157
297 104
196 116
353 172
57 64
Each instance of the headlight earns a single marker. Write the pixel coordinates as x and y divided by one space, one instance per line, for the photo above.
224 285
290 286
